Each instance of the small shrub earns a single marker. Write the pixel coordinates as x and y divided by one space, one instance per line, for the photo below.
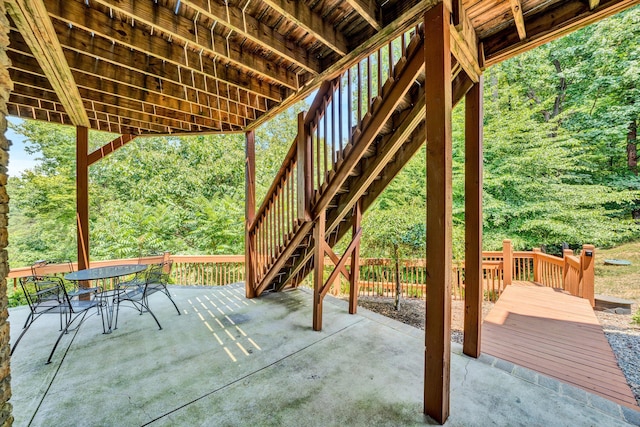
636 317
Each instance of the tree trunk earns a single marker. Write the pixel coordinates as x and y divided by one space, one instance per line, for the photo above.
632 149
398 287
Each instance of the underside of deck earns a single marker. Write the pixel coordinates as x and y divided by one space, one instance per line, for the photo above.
558 335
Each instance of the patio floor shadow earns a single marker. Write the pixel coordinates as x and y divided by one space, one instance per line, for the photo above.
229 361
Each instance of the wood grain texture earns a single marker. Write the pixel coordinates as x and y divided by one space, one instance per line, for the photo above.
557 335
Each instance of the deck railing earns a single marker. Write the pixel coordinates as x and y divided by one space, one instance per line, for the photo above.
188 270
573 274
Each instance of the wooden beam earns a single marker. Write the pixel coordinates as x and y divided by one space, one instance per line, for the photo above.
82 196
183 32
473 294
28 93
549 24
254 30
109 148
301 14
405 21
114 88
318 272
354 283
30 16
166 61
368 9
439 218
518 17
464 44
249 212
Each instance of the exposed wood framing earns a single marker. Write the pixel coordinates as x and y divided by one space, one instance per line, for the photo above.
190 35
464 45
322 248
354 283
368 9
32 20
82 196
410 72
548 25
473 294
109 148
167 61
394 29
300 14
516 8
439 217
250 212
318 276
247 26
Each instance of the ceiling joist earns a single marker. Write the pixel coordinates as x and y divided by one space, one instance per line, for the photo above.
301 15
369 10
247 26
549 24
32 20
190 35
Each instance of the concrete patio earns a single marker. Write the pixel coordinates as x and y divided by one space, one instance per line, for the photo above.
230 361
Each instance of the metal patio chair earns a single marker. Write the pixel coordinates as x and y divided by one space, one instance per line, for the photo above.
158 278
48 295
136 294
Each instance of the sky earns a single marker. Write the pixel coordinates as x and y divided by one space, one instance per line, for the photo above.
19 160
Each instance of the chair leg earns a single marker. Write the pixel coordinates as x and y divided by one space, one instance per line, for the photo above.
154 316
66 329
15 344
168 294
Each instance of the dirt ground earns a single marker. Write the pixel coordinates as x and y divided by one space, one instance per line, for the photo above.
412 312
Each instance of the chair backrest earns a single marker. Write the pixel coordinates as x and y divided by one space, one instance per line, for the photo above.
43 293
37 266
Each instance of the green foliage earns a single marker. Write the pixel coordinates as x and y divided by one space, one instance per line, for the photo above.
636 317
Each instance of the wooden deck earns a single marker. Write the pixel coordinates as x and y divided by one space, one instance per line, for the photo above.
558 335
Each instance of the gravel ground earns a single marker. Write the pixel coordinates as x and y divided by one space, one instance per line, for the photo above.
623 335
624 338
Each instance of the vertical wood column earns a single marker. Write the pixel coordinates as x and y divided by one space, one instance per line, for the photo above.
507 262
439 222
355 260
587 264
249 213
318 272
82 195
473 221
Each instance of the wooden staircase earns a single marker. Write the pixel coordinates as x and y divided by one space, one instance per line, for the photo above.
321 177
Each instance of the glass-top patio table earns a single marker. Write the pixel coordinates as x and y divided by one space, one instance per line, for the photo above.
107 296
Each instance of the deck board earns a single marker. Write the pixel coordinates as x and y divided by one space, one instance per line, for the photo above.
558 335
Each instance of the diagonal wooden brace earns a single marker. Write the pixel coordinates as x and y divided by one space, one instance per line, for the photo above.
334 258
340 267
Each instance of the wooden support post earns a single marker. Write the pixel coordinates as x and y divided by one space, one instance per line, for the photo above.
318 273
507 262
587 264
536 265
572 287
473 221
82 195
355 261
166 257
250 213
439 221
